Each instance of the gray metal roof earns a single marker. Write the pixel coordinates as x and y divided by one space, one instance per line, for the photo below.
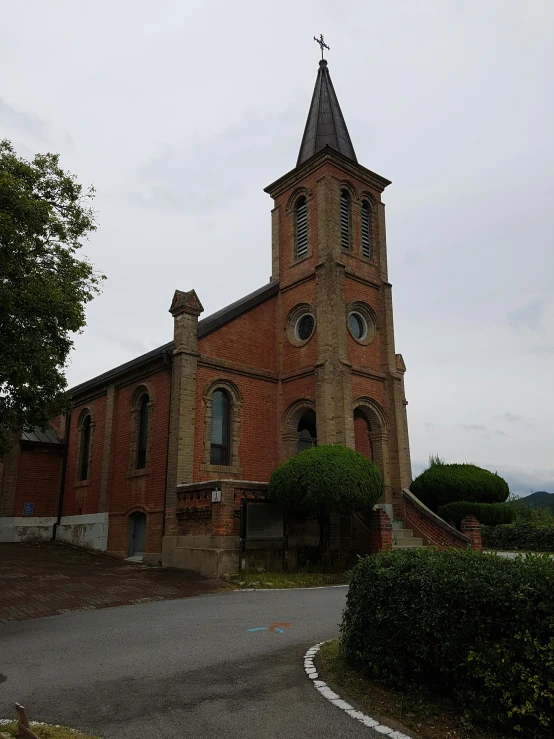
205 327
325 125
37 435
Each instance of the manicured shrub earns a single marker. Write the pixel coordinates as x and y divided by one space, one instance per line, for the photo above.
449 483
490 514
523 535
476 627
323 480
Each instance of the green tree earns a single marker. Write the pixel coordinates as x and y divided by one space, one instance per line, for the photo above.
44 218
442 484
323 480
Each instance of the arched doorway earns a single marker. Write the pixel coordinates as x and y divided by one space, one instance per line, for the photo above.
362 435
137 535
307 432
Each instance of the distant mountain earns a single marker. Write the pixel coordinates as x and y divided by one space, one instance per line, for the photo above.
540 499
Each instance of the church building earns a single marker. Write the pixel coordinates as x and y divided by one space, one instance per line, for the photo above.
309 358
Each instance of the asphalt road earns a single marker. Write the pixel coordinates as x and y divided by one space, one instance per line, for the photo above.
180 668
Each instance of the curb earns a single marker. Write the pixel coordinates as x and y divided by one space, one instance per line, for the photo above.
336 700
272 590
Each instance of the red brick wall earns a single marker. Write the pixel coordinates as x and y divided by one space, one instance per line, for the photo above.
361 436
370 355
366 386
431 527
249 339
258 445
131 490
82 498
38 481
298 357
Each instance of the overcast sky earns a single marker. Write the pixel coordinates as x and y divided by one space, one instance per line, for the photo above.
180 113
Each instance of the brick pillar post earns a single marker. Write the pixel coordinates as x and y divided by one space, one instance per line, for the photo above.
380 531
472 528
185 310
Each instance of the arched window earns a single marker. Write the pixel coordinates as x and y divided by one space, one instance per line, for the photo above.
307 434
345 219
366 229
362 435
142 432
221 412
301 228
86 437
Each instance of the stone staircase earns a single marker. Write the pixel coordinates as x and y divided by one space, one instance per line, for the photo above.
404 538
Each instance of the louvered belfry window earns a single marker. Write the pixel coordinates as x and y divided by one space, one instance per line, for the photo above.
366 229
345 219
301 228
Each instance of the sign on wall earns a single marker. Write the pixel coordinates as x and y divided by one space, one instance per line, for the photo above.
28 509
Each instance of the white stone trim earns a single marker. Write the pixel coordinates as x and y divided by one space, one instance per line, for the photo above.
336 700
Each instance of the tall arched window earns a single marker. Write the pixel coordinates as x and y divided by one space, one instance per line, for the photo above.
86 437
366 229
142 432
221 412
301 228
345 219
307 434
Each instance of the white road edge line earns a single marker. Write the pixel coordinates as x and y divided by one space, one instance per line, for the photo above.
336 700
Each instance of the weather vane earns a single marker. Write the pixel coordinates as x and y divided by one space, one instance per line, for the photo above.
321 43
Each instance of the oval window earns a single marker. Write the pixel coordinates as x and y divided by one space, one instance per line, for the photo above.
304 327
357 326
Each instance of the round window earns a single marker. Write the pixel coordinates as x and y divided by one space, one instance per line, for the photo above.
304 327
357 325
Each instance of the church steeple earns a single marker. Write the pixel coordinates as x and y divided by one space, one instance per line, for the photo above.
325 125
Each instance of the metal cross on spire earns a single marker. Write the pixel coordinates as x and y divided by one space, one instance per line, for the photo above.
321 43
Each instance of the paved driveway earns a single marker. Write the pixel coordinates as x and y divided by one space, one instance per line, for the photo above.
48 579
180 669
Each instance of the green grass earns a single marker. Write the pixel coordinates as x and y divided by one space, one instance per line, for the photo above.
45 732
270 580
417 713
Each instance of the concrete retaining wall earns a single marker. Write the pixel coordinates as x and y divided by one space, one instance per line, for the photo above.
88 531
26 528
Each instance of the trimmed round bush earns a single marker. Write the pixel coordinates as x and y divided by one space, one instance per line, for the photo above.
489 514
449 483
475 627
326 479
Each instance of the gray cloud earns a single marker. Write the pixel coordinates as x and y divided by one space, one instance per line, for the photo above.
472 427
509 417
530 315
429 426
500 432
20 121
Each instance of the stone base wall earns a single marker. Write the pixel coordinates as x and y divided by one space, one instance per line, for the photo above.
26 528
89 531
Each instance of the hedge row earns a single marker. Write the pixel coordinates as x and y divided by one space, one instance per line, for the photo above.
522 535
474 626
448 483
490 514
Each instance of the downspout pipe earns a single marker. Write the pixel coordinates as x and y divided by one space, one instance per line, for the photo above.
62 481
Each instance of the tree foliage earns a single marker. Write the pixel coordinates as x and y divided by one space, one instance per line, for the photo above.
326 479
45 216
441 484
323 480
489 514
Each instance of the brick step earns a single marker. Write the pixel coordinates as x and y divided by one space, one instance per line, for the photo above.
404 533
407 543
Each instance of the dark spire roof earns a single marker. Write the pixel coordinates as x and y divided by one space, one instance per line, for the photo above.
325 125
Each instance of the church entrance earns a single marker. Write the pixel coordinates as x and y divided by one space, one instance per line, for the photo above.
307 433
137 535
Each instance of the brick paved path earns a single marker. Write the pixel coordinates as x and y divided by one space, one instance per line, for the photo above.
39 580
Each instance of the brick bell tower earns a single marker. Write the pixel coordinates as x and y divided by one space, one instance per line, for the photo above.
341 380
